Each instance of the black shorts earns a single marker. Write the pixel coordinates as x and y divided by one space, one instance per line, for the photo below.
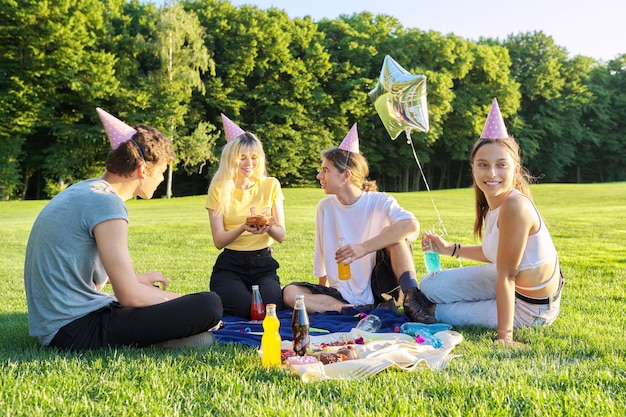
321 289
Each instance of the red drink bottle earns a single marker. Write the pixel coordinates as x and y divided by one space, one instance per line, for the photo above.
257 308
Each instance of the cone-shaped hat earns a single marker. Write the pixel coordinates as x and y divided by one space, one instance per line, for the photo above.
117 131
231 130
494 126
351 141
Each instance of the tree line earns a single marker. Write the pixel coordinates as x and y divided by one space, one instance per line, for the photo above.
298 84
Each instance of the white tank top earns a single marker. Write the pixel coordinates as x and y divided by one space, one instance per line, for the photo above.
539 248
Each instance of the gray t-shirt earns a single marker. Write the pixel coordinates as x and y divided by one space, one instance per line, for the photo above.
63 270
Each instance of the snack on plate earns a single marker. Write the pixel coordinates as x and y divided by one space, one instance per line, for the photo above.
259 220
349 352
330 357
286 354
330 354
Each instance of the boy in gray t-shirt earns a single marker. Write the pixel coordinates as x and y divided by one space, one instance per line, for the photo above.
79 243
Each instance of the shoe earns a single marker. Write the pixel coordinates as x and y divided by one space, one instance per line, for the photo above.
388 305
351 310
416 307
220 325
200 340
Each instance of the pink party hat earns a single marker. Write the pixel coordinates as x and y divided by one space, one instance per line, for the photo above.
230 129
351 141
494 126
117 131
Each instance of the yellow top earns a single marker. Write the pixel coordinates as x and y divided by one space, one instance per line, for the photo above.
260 196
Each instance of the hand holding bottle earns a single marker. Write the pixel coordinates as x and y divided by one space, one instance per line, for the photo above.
434 241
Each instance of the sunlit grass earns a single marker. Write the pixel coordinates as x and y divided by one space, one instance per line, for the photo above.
575 367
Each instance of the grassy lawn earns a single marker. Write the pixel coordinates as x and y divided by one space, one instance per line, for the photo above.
575 367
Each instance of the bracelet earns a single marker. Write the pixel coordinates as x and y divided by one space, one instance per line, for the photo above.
454 251
505 334
459 252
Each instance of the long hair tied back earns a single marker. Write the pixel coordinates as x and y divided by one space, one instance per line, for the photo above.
357 165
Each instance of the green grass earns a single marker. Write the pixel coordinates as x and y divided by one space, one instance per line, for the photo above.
575 367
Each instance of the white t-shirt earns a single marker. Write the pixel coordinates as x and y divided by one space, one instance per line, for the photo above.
355 223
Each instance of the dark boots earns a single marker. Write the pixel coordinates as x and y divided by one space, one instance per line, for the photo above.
416 307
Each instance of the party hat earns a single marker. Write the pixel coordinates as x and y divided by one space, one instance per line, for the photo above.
230 129
351 141
117 131
494 126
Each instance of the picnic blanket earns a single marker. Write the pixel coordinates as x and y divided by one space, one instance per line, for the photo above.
240 330
382 350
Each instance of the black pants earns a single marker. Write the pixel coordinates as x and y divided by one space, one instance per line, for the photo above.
116 326
234 274
383 280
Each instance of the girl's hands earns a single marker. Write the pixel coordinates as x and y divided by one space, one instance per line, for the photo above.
256 229
505 337
430 239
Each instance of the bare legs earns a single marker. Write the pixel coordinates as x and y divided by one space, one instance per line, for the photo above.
315 303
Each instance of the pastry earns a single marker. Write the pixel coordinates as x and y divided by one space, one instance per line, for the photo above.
259 220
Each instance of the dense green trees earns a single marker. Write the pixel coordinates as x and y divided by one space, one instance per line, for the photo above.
298 84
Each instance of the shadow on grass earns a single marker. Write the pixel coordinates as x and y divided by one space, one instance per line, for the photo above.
18 347
14 336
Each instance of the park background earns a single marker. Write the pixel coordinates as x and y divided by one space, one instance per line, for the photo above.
298 84
576 367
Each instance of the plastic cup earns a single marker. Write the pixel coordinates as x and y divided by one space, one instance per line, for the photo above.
432 261
370 323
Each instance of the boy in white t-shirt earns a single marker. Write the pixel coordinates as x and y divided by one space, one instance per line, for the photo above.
377 233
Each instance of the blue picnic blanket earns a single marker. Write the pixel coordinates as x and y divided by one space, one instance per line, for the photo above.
240 330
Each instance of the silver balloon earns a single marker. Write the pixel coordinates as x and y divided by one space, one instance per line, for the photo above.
400 99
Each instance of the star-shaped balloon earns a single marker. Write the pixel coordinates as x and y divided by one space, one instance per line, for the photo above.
400 99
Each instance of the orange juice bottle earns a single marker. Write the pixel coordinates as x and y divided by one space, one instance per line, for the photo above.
343 270
270 341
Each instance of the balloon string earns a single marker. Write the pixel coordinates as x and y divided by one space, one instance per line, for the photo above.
441 228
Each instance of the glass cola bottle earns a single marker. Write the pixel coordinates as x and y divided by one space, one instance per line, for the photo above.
300 326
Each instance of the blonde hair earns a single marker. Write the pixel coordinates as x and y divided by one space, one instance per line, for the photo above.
521 181
224 179
355 163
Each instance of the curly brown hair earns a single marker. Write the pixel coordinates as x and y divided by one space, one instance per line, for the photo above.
148 146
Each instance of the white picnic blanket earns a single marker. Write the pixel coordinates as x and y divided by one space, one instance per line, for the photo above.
380 351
